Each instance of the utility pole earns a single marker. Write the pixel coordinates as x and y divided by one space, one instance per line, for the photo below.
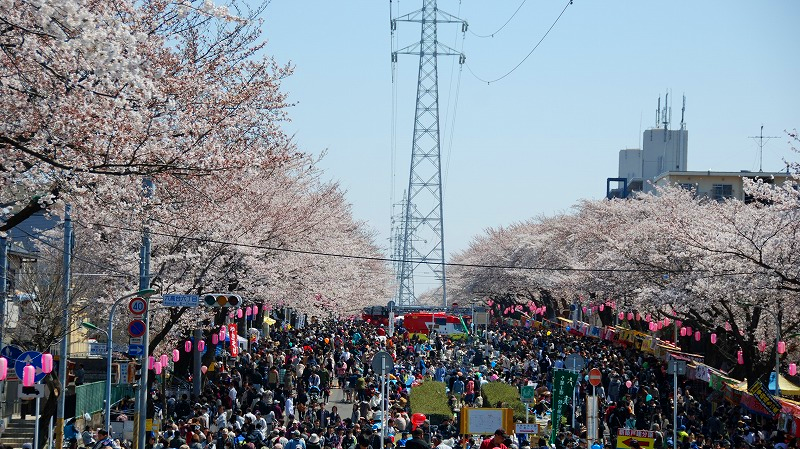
3 295
62 363
144 283
423 225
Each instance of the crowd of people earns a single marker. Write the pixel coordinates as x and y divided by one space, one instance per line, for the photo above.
277 394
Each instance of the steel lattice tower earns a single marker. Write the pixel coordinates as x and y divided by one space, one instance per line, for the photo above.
423 227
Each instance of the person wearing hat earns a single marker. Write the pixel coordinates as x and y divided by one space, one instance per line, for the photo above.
313 442
495 441
104 440
296 442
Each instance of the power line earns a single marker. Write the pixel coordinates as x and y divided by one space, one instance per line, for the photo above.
526 56
504 25
387 259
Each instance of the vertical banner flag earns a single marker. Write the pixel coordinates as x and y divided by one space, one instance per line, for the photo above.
563 384
234 336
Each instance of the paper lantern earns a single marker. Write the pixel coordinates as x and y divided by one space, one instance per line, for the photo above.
248 311
638 316
151 361
792 369
781 347
683 332
697 336
728 326
417 419
203 369
628 384
28 376
239 313
164 360
157 367
3 368
622 315
176 355
647 318
678 323
666 321
688 330
660 325
630 316
47 363
544 309
740 357
584 310
264 308
602 307
201 346
713 339
762 345
187 346
214 339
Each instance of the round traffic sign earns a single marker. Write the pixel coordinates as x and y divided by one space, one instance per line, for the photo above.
136 328
595 377
382 363
137 306
33 358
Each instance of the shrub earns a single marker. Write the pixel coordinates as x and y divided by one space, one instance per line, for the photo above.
499 392
430 398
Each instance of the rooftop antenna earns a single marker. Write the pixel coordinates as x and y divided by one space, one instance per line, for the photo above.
658 111
683 113
666 115
761 144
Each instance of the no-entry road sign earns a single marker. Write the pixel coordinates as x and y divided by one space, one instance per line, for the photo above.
595 377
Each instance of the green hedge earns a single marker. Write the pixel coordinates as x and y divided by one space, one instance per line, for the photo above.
495 392
430 398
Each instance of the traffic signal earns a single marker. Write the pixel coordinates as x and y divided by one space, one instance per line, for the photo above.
222 300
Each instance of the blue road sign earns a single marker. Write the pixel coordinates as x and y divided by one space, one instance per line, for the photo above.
136 328
177 300
11 353
32 358
136 350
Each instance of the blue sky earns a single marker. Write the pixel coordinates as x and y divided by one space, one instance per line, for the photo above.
548 134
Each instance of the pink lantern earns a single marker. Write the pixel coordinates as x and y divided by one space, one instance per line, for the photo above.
249 311
666 321
678 323
602 307
157 367
201 346
187 346
683 332
239 313
47 363
713 339
544 309
164 360
176 355
638 316
660 325
584 310
151 361
204 369
762 345
688 330
630 316
214 339
28 376
697 336
781 347
792 369
264 308
222 331
728 326
740 357
221 336
622 315
647 317
3 368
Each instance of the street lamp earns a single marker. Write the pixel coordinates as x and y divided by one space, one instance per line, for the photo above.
145 293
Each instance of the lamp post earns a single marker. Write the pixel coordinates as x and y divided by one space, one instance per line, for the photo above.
110 345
